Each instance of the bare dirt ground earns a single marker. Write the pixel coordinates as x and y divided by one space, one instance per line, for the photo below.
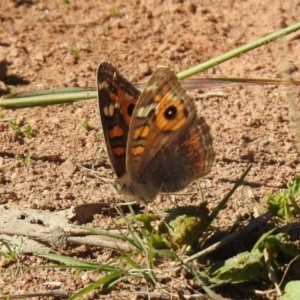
250 124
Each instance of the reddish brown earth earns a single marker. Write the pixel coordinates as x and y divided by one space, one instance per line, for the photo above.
250 124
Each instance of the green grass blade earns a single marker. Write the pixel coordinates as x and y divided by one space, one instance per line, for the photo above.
48 92
60 96
105 280
70 261
129 260
221 205
46 99
71 95
238 51
103 232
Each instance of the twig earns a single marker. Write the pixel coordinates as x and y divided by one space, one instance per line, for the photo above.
271 272
287 268
55 293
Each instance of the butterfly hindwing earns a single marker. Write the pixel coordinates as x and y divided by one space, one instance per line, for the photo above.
194 157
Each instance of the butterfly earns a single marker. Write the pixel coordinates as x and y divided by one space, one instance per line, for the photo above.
154 139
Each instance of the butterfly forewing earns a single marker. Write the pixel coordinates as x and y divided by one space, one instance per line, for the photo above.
163 111
117 99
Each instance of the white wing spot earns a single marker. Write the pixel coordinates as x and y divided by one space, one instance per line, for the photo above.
171 96
111 110
105 110
144 111
103 85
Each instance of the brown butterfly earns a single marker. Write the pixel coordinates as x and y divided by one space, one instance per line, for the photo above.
154 139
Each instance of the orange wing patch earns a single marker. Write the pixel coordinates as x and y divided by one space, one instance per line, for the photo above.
119 151
138 150
171 114
141 132
117 131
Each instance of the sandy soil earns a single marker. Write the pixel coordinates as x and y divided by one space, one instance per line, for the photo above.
249 124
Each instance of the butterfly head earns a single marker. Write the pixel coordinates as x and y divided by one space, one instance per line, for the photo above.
137 192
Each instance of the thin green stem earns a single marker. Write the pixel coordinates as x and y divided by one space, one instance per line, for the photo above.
238 51
60 96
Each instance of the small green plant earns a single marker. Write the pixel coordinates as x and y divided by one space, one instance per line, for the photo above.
16 128
100 135
284 204
115 11
86 125
25 159
65 1
11 254
2 114
106 30
74 52
25 131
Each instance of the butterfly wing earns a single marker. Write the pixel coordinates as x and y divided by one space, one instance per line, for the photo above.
189 157
117 99
162 113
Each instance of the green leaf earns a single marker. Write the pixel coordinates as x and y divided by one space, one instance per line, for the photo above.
281 241
243 267
292 291
281 203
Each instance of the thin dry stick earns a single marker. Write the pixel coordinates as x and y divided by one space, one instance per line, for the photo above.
59 239
287 268
271 272
56 293
4 166
282 279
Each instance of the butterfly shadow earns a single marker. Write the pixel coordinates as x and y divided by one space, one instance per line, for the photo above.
11 79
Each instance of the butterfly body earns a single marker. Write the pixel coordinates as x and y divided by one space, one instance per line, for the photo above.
154 139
